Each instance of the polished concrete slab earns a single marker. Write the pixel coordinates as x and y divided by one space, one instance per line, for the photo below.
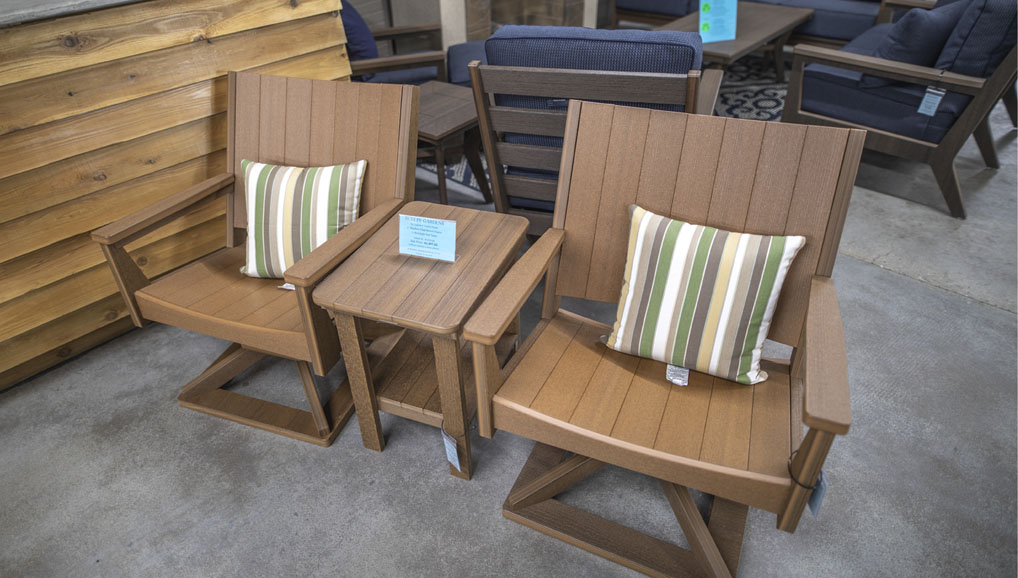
103 474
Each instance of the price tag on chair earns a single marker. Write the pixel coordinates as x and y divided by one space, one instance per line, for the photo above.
817 497
451 452
931 100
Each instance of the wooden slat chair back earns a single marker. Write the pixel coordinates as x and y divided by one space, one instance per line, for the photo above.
288 121
567 391
496 122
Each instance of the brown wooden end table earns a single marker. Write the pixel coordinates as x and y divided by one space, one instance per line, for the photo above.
426 375
758 27
448 119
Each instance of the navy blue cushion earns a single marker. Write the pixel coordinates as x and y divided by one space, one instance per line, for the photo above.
917 38
838 93
676 8
459 56
360 44
984 35
585 49
837 19
407 76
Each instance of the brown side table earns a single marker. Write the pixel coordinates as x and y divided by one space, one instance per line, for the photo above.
758 27
426 375
448 120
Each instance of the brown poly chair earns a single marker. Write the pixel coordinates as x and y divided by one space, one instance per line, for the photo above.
587 406
297 122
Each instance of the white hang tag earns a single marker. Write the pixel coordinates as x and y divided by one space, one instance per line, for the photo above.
677 375
817 497
287 286
931 100
451 452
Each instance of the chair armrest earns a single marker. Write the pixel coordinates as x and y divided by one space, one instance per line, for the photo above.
318 263
143 221
826 403
887 69
398 62
406 31
492 318
710 86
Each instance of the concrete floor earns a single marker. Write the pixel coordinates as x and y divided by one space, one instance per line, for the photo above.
105 475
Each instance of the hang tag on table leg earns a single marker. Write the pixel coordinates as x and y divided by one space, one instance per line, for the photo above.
451 450
931 101
677 375
817 497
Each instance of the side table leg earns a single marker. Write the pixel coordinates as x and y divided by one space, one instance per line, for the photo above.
440 169
450 391
472 150
351 339
779 55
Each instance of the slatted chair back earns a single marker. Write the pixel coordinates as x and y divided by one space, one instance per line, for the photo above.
303 122
528 139
732 174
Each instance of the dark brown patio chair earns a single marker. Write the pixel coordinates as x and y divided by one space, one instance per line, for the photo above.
587 406
521 108
296 122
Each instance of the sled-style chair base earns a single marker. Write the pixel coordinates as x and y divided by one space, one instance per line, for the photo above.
319 426
549 471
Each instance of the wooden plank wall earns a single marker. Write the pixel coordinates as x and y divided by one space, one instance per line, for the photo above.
105 112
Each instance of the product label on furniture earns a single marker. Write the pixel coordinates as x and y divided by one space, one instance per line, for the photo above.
931 101
450 450
677 375
717 20
428 238
817 497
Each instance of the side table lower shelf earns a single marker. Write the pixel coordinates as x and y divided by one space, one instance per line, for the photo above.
406 380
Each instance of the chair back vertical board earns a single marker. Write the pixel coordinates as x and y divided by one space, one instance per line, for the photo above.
301 122
738 175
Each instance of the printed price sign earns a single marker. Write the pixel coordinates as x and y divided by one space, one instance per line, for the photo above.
717 20
428 238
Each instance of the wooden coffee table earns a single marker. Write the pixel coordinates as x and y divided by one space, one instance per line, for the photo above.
758 27
427 374
448 120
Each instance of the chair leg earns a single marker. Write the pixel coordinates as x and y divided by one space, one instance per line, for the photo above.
695 530
947 180
984 139
1010 99
314 402
205 394
549 471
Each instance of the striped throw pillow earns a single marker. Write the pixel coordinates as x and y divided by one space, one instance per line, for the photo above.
292 210
699 297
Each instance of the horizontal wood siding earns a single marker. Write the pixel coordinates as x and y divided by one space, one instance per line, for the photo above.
106 112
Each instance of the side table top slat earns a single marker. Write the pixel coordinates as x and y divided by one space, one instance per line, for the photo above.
376 282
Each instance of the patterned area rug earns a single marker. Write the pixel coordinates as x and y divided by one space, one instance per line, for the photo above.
750 90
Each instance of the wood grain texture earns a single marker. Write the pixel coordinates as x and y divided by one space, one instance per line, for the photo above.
77 91
124 138
61 44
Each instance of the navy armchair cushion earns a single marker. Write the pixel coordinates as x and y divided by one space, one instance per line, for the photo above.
459 56
917 38
676 8
984 35
588 49
360 44
837 19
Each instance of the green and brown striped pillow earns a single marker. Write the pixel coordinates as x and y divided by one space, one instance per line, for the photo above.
292 210
699 297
